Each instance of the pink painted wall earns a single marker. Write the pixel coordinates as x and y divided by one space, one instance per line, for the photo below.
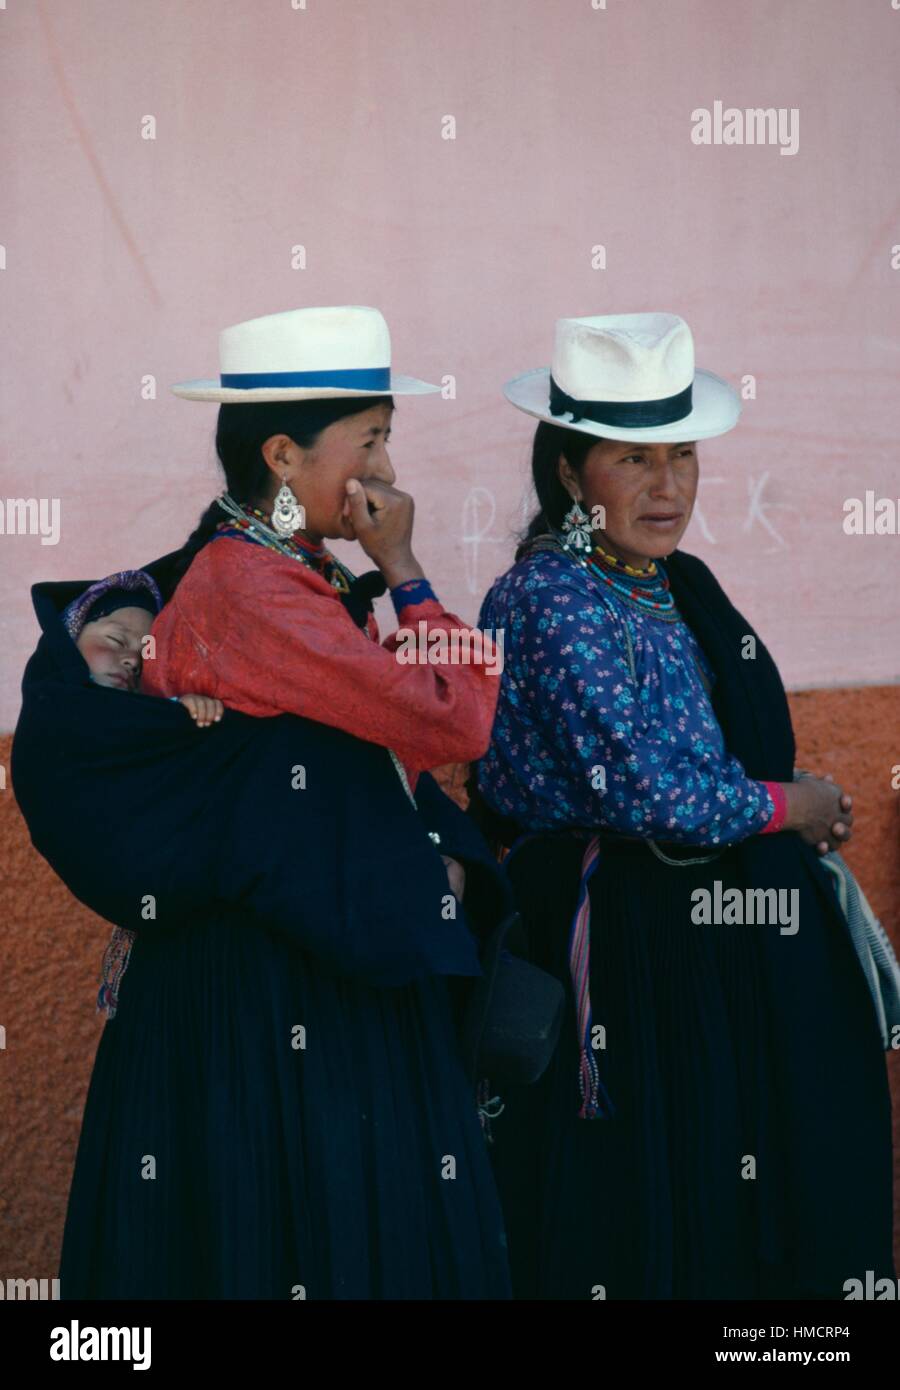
278 126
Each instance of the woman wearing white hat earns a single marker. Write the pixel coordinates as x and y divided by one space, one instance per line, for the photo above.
316 1133
716 1123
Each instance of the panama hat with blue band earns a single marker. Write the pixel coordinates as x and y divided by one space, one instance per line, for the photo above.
303 355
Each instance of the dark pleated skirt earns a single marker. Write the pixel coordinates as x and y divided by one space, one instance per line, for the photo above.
217 1160
691 1190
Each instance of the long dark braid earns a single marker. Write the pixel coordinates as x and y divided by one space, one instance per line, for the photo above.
241 432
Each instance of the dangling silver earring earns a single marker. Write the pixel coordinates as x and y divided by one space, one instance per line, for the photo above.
288 515
577 527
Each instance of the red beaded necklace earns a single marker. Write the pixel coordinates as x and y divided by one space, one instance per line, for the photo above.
315 557
646 589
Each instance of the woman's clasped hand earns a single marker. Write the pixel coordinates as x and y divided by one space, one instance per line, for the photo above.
819 811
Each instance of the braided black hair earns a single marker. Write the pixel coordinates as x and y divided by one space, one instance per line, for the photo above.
241 432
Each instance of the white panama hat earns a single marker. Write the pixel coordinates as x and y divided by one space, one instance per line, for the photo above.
305 355
627 376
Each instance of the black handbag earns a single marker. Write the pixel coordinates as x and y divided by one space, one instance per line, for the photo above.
510 1016
513 1017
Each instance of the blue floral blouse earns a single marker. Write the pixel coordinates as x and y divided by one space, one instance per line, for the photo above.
574 744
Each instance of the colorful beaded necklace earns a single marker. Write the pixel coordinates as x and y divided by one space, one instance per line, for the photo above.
645 589
250 521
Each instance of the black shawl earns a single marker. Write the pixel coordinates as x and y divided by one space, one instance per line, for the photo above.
127 799
816 990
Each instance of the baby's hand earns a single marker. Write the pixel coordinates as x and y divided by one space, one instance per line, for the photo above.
203 709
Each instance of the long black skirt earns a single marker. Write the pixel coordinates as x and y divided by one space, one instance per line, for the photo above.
257 1130
749 1153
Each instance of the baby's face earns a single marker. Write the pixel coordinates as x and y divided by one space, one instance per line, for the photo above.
111 646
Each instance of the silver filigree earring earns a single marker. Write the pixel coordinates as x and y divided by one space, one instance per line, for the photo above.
577 527
288 515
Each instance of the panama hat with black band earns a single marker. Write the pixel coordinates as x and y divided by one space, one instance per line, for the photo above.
630 377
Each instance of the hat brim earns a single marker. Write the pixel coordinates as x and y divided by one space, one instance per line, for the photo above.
716 410
231 395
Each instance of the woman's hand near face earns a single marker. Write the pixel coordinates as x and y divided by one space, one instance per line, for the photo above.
819 811
382 520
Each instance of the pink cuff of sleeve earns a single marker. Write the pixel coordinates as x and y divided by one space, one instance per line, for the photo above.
776 792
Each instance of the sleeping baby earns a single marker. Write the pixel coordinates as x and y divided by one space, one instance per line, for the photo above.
108 624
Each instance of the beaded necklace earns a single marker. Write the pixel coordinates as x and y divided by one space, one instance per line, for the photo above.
644 589
650 593
246 519
249 520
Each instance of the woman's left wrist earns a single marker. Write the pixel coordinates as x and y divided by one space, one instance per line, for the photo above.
410 592
400 571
